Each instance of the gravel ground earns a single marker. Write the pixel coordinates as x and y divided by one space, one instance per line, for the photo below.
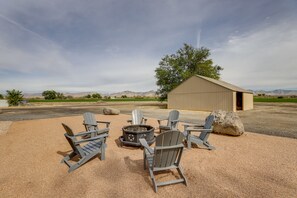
251 165
277 119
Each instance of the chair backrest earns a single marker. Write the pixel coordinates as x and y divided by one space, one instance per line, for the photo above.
168 149
90 122
137 116
208 125
173 115
69 135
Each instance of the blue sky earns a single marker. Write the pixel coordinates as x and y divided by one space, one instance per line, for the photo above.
110 46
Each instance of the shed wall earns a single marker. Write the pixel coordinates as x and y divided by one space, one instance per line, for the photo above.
200 94
3 103
248 101
234 101
201 101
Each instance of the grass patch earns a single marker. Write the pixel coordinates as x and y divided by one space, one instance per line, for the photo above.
94 100
273 99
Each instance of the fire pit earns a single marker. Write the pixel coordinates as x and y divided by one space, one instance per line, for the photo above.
132 134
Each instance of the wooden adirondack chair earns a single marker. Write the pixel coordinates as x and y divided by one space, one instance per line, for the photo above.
95 145
165 156
137 117
91 124
172 121
205 130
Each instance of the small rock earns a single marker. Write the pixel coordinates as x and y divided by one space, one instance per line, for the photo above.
4 127
111 111
227 123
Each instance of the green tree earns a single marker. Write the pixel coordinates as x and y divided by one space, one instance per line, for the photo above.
49 94
88 96
188 61
1 96
60 96
96 95
14 97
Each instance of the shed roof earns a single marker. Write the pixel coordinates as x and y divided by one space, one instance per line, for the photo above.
224 84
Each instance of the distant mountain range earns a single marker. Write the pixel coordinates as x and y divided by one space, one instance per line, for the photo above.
152 93
277 92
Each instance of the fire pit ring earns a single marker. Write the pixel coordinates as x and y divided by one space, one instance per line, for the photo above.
132 134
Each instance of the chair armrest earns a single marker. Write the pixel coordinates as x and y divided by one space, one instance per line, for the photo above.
169 147
199 130
143 143
160 120
85 133
186 125
103 122
89 124
192 125
91 139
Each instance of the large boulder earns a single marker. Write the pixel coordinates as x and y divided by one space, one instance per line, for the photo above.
227 123
110 111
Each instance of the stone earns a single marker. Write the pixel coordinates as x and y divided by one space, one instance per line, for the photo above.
4 127
227 123
111 111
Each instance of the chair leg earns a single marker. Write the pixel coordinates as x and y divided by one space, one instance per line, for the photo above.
103 151
209 147
153 180
68 157
144 160
180 171
188 142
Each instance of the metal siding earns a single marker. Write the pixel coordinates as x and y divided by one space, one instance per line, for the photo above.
234 102
200 94
201 101
248 101
3 103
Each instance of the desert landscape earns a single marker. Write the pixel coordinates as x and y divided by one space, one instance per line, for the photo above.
256 164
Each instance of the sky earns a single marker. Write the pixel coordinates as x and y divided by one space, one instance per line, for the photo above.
110 46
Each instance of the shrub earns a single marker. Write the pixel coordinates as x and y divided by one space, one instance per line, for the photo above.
96 95
49 94
14 97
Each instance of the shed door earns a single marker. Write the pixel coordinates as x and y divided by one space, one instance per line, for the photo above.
239 100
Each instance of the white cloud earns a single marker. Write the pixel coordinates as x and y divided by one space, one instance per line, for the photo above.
263 59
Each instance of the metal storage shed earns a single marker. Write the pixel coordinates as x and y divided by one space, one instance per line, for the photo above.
206 94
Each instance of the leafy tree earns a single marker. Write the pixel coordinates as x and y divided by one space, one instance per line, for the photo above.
88 96
60 95
96 95
188 61
49 94
14 97
124 96
1 96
